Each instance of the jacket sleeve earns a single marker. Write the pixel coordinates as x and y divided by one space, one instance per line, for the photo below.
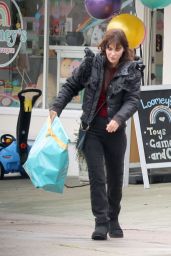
131 96
73 85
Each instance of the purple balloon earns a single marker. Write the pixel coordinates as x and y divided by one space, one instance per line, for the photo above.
102 9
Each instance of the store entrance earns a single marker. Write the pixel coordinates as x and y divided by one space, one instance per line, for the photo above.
156 47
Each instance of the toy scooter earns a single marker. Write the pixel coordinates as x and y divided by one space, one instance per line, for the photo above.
14 152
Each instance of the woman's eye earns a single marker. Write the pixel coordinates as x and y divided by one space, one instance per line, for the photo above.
114 49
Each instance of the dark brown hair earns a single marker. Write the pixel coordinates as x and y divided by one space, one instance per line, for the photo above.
118 38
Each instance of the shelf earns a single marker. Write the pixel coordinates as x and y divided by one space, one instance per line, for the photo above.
72 56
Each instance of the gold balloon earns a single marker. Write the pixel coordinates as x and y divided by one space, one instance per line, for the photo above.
132 26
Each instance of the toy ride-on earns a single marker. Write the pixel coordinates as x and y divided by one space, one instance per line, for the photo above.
14 151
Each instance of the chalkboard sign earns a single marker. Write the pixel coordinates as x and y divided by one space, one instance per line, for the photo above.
153 127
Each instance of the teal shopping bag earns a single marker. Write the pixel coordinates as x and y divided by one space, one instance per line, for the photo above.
48 159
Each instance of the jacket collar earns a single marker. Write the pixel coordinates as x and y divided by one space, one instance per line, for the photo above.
123 69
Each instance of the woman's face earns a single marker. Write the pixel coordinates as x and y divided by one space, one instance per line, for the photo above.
114 53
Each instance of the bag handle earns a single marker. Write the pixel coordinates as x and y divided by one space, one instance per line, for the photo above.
52 134
95 114
97 111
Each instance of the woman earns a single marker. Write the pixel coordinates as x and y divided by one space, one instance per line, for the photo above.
112 87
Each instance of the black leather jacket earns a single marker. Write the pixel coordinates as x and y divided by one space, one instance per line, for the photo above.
122 94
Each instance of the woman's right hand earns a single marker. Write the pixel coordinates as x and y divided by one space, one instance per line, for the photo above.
52 115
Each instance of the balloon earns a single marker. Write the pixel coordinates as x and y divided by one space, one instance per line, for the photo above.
102 9
154 4
132 26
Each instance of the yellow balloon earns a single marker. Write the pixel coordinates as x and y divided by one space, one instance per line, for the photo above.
133 27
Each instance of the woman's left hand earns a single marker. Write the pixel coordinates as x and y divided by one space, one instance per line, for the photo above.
112 126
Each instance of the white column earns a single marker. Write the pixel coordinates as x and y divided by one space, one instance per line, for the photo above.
46 52
144 14
167 47
140 10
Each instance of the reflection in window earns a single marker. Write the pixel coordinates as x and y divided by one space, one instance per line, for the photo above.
71 25
25 69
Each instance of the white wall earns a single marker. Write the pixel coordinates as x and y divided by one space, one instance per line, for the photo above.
8 121
167 46
69 118
139 9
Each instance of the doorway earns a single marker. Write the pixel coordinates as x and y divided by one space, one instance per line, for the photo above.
155 74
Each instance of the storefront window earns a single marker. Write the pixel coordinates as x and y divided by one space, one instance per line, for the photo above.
71 25
71 29
22 36
21 47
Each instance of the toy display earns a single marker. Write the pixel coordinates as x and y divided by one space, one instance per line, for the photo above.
8 93
68 65
133 27
65 67
9 89
96 35
14 152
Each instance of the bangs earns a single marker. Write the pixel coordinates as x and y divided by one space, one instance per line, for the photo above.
114 44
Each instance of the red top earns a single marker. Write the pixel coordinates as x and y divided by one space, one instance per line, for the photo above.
108 75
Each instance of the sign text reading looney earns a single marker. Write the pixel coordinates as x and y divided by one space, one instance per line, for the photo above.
155 122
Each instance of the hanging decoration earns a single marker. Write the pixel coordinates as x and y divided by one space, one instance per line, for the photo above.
102 9
156 4
133 27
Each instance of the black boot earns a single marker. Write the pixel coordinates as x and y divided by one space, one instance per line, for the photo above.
115 230
100 232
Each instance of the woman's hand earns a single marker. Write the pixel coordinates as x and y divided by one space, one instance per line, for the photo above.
112 126
52 115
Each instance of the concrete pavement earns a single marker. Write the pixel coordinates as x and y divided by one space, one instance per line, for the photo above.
35 222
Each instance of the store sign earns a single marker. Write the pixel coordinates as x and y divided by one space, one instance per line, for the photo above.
12 36
152 126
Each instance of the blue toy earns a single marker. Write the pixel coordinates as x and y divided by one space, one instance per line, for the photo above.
14 152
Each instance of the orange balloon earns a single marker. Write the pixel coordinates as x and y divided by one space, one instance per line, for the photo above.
132 26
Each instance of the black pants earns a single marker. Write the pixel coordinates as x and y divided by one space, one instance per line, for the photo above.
104 153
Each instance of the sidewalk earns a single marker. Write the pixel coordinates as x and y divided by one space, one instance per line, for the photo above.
38 223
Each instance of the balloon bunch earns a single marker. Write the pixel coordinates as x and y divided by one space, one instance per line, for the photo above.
132 26
156 4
